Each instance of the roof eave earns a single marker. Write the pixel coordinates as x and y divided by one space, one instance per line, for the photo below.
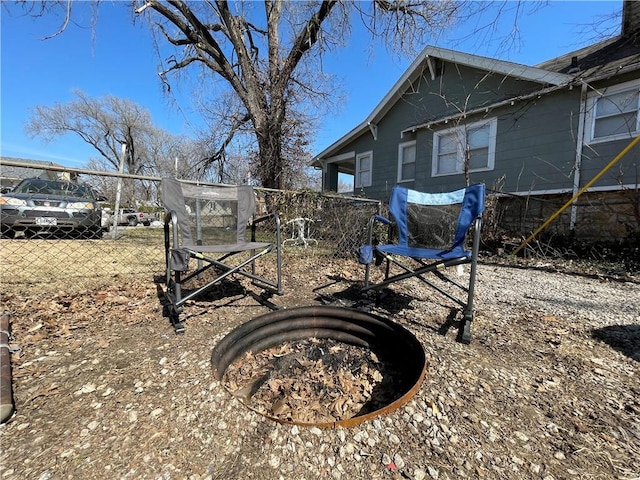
327 152
534 74
620 71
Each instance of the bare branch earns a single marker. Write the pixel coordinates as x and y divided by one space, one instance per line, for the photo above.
65 22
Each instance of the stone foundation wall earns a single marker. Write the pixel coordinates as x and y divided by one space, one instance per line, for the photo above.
601 217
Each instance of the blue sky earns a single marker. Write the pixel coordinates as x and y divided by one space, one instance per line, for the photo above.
118 57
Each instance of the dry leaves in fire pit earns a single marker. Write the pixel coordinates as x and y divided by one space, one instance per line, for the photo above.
312 381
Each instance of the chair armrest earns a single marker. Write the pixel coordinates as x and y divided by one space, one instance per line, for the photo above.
382 219
263 218
372 220
169 216
366 252
267 217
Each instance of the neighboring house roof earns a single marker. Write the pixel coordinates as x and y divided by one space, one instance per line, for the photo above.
13 174
24 160
604 59
601 60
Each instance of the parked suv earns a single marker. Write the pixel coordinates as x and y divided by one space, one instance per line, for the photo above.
42 207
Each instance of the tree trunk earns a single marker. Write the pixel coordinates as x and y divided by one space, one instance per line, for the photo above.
270 163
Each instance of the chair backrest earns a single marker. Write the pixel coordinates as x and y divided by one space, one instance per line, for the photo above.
435 220
218 213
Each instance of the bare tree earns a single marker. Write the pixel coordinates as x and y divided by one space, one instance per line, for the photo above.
269 55
233 157
260 54
104 123
109 122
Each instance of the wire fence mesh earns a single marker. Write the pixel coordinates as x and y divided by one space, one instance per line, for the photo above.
49 235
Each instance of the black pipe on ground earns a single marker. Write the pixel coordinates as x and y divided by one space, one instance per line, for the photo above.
7 406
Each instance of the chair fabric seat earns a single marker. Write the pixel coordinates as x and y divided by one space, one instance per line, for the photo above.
429 253
236 247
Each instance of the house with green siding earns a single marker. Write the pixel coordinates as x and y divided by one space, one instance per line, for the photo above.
535 135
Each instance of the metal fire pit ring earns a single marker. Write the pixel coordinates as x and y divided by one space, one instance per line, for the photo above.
392 343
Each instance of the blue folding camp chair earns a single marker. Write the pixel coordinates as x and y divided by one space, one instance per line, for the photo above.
209 224
431 230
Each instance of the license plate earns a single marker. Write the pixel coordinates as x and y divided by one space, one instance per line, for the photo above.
46 221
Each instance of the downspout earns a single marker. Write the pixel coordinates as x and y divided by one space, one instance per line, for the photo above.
577 169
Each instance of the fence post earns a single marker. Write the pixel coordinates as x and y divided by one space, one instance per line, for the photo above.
116 207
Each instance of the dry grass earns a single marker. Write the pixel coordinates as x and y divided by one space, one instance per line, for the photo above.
64 263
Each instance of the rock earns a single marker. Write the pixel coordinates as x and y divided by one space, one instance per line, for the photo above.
433 472
419 474
157 412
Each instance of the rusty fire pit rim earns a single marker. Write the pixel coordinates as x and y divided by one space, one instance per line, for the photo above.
258 324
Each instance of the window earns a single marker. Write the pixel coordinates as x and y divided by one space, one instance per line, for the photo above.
613 113
407 161
473 144
364 164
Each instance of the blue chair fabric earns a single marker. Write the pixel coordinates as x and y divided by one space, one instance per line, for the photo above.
433 229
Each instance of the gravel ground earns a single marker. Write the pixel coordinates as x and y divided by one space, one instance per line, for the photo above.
548 389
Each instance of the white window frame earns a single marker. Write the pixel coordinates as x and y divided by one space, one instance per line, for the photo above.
592 100
358 183
460 132
402 163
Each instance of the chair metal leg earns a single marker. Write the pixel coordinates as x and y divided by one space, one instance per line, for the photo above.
178 326
173 294
464 334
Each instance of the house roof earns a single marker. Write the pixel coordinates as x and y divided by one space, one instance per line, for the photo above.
10 171
601 60
32 168
604 59
493 65
421 63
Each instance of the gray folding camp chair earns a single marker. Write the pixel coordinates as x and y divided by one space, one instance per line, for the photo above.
219 216
431 231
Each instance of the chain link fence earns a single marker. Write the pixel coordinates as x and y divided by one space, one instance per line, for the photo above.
52 233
